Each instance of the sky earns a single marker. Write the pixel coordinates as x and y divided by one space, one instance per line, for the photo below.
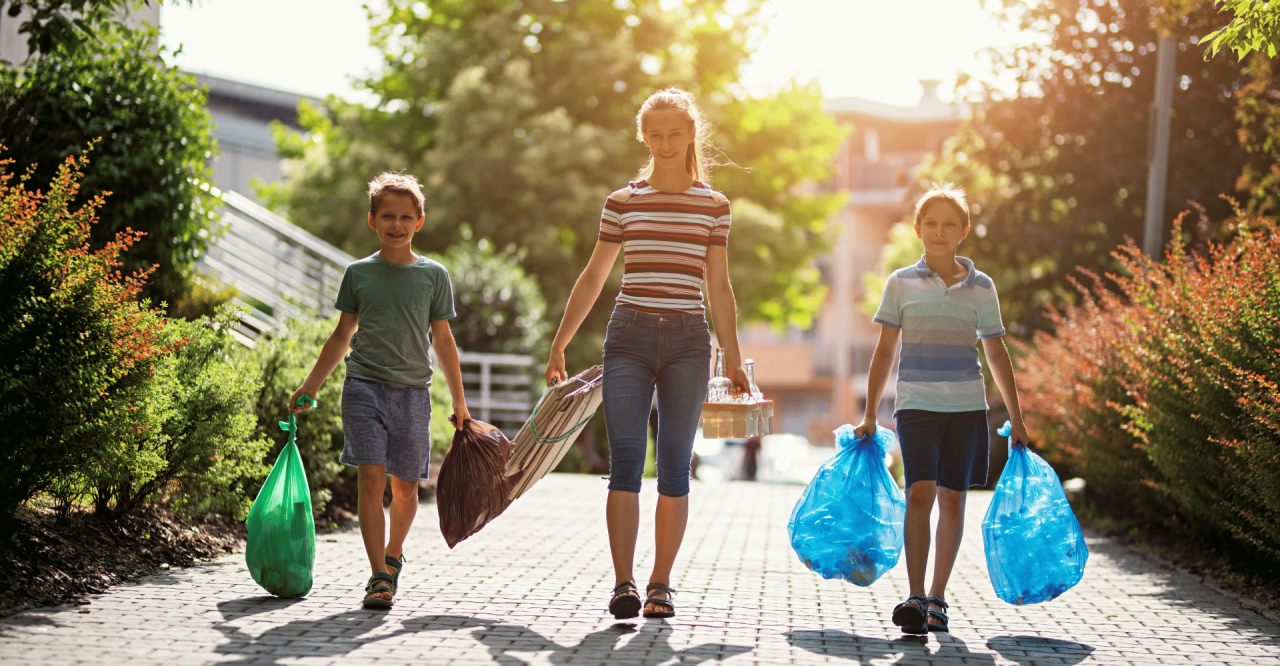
875 49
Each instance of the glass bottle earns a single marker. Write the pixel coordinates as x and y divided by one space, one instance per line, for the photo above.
756 394
719 388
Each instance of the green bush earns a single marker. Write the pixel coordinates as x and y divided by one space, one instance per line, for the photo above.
499 306
157 142
1163 391
192 444
71 333
283 361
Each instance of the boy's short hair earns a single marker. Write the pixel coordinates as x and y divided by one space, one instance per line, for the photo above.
395 182
949 192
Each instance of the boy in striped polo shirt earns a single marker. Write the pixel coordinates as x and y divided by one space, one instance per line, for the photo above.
939 308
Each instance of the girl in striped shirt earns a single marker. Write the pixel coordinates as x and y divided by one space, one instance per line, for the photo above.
673 230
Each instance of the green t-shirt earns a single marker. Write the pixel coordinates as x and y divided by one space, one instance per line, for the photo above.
396 305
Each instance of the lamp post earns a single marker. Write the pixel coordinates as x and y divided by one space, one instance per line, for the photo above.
1158 148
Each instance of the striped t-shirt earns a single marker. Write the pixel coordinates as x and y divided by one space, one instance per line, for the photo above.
665 236
938 367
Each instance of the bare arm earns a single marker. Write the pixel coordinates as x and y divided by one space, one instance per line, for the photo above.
330 355
585 292
878 376
724 313
447 354
1002 370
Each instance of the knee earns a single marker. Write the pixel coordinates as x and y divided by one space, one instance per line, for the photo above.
372 479
951 502
404 491
920 495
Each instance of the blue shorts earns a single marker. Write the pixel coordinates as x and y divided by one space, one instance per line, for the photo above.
388 426
947 447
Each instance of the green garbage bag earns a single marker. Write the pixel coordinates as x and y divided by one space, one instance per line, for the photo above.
281 546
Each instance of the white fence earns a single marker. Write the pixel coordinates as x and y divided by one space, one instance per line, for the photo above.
281 272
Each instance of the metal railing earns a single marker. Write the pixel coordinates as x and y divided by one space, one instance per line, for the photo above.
281 271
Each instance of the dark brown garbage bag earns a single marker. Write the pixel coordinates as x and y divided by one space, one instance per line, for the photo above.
473 486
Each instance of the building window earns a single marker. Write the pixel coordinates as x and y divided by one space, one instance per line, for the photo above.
872 146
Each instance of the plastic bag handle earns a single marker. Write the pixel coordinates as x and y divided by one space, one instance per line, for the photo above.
291 426
1005 431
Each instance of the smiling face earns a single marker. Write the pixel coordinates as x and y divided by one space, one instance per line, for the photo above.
397 219
669 135
941 226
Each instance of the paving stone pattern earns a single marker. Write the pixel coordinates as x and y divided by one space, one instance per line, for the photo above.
531 589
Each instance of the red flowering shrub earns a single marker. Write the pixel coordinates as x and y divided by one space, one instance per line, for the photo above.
1162 392
71 330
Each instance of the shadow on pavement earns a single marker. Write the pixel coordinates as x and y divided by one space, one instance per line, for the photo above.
330 636
1030 650
860 649
508 644
649 646
1183 591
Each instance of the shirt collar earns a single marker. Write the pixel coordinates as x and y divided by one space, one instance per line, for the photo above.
923 267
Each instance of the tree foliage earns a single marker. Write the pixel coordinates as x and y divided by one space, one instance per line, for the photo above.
1255 26
519 116
69 25
155 150
1057 172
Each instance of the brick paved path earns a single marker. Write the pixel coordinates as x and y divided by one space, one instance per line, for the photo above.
531 588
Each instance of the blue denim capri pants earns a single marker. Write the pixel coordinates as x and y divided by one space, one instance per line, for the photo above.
643 352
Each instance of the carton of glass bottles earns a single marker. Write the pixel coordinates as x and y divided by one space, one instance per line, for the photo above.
722 420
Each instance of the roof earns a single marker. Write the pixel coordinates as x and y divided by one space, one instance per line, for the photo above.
928 109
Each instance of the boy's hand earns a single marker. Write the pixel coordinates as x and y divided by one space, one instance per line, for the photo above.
867 427
555 368
1018 433
302 390
460 416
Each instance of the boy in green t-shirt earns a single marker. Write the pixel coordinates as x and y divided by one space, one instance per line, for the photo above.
402 304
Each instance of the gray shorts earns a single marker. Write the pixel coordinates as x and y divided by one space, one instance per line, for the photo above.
388 426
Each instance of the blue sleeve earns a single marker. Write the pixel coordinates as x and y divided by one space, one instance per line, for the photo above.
890 311
989 322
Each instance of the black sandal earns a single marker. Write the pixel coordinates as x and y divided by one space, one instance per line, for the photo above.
394 566
938 615
378 584
910 615
625 603
652 590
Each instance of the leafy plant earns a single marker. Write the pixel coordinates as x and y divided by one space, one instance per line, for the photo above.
282 362
155 152
1163 391
71 332
191 443
1254 26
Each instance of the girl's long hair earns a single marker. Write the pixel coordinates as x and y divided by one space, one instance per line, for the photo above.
696 161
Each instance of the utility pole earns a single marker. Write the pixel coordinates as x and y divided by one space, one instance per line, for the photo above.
1158 148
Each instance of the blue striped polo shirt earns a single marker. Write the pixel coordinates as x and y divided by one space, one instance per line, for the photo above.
938 367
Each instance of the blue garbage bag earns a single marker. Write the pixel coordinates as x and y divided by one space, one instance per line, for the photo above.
848 522
1035 549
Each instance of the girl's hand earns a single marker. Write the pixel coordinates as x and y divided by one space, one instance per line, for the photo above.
302 390
460 416
867 427
555 368
738 375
